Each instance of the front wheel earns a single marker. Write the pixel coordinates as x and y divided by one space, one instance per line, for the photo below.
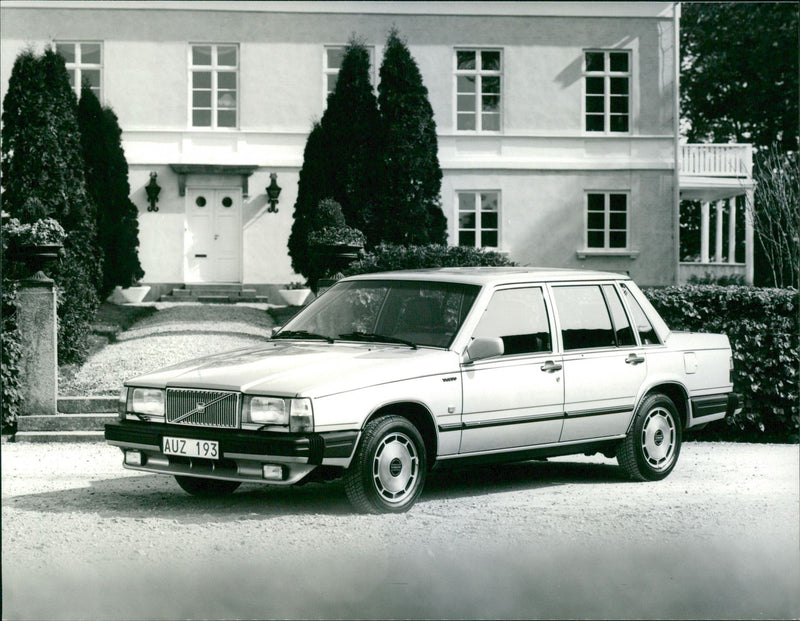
210 488
650 450
388 470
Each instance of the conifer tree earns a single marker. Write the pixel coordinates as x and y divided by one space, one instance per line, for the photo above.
107 183
412 212
342 159
42 160
351 131
312 187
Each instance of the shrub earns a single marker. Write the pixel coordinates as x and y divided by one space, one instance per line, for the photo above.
42 232
762 325
388 257
9 374
76 276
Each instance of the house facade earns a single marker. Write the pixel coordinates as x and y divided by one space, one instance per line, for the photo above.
557 122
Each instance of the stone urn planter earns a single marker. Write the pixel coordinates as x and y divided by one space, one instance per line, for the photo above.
294 297
36 256
128 295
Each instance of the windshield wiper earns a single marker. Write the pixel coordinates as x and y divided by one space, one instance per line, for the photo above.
301 334
376 338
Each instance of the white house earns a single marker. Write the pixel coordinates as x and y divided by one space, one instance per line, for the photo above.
557 122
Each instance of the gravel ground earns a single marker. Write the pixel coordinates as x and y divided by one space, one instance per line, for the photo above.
569 538
175 333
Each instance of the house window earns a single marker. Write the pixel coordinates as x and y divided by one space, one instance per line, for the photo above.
606 220
214 80
84 64
334 54
478 219
479 75
607 77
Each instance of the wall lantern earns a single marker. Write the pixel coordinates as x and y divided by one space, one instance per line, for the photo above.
152 189
273 192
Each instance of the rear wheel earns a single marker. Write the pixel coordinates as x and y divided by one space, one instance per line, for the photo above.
388 471
210 488
651 448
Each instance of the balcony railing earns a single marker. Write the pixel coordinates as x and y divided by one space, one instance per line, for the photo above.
717 160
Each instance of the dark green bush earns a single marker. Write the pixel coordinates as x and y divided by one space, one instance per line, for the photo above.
77 275
388 257
9 375
762 325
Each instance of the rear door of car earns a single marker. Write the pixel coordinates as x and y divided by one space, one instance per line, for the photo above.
604 367
514 400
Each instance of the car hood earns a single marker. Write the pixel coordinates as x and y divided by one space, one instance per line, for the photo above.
307 369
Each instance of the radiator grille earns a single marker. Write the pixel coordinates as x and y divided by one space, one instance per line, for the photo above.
203 408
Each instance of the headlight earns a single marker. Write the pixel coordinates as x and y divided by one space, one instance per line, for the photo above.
147 401
266 411
297 414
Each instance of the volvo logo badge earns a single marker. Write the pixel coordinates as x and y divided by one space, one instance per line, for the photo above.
201 408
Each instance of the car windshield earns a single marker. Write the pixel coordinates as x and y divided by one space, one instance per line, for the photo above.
406 312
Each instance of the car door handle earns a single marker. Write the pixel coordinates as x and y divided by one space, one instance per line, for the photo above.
634 359
551 366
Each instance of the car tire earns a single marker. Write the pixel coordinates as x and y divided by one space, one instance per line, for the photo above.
388 471
209 488
650 450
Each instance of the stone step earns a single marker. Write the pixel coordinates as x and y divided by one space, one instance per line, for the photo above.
213 287
59 436
194 293
65 422
86 405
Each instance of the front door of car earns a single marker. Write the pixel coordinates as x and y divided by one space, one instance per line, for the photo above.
604 367
515 399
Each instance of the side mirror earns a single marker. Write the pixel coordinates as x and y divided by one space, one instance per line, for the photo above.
482 348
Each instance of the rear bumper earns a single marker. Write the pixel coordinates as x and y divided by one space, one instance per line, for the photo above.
243 455
709 408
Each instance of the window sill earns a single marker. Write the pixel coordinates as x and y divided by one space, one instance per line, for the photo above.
599 252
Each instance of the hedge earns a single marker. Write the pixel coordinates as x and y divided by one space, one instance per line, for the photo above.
389 257
762 325
11 351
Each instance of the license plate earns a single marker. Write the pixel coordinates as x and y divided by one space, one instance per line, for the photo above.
187 447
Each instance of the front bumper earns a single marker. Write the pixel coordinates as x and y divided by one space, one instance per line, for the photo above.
243 454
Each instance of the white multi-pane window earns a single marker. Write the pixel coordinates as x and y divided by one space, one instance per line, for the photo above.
607 76
84 64
214 83
332 64
479 219
607 220
479 84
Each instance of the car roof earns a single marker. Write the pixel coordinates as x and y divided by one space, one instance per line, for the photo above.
493 275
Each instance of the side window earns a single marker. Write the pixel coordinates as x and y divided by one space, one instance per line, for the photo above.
622 327
643 326
585 322
519 317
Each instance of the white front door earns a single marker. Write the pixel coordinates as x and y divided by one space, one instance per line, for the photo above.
515 400
213 244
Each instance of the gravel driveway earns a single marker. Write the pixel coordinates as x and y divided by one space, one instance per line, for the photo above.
569 538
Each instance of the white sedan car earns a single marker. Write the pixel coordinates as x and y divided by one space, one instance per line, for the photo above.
387 376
